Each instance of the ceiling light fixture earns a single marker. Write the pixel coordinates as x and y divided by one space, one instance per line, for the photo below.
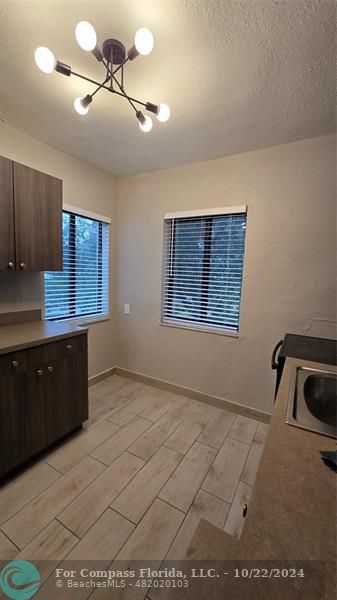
45 59
113 57
81 105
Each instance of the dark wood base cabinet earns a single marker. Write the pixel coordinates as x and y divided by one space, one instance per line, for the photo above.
43 397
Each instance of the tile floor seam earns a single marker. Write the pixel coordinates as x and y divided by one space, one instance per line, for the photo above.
200 487
10 540
146 463
34 497
125 449
155 421
67 528
52 467
231 504
85 432
56 515
238 440
37 535
80 539
110 503
162 444
243 468
124 517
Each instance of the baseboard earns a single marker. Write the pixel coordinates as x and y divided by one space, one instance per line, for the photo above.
240 409
100 376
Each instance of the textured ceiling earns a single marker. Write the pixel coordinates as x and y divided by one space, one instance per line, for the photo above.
238 75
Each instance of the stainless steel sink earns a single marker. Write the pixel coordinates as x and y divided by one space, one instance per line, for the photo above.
312 401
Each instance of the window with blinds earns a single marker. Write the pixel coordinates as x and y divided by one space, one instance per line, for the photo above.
81 289
203 265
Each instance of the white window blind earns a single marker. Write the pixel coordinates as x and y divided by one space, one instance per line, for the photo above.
81 289
202 272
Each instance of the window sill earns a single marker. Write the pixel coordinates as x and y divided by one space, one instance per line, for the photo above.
200 329
84 320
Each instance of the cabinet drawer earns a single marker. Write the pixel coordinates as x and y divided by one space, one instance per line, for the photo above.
15 362
23 360
55 350
64 348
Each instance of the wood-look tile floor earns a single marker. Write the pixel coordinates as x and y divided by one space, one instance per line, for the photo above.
134 483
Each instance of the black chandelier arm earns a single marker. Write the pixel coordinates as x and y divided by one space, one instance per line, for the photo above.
113 78
99 87
130 102
103 86
123 95
120 66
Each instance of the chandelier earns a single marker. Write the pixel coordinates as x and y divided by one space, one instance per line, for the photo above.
113 57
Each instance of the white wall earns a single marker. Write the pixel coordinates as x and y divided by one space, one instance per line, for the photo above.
83 186
289 271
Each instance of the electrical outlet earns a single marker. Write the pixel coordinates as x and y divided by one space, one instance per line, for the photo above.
126 309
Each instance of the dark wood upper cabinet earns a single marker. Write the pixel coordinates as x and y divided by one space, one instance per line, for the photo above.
31 219
7 243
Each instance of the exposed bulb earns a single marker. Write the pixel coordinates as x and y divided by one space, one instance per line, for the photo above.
78 106
163 113
147 125
144 41
45 59
86 36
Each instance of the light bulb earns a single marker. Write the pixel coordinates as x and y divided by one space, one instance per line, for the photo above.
78 106
86 36
146 126
164 112
45 59
144 41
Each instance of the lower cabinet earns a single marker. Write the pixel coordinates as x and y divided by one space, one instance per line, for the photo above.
66 384
34 435
40 404
12 422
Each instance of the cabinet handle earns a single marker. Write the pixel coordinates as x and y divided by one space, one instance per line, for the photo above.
15 363
40 372
50 369
244 511
69 347
22 266
11 265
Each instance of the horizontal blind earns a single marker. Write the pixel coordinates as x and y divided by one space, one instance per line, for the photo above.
203 265
81 289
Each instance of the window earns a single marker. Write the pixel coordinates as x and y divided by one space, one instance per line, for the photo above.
81 289
203 264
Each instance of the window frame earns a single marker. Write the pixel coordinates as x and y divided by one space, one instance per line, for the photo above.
188 322
89 317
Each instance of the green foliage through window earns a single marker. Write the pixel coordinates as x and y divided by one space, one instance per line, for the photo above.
81 289
203 267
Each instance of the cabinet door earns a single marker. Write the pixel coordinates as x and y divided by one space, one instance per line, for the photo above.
12 450
56 409
66 395
38 220
76 381
7 247
34 412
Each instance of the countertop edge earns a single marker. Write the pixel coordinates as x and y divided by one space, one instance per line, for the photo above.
41 338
